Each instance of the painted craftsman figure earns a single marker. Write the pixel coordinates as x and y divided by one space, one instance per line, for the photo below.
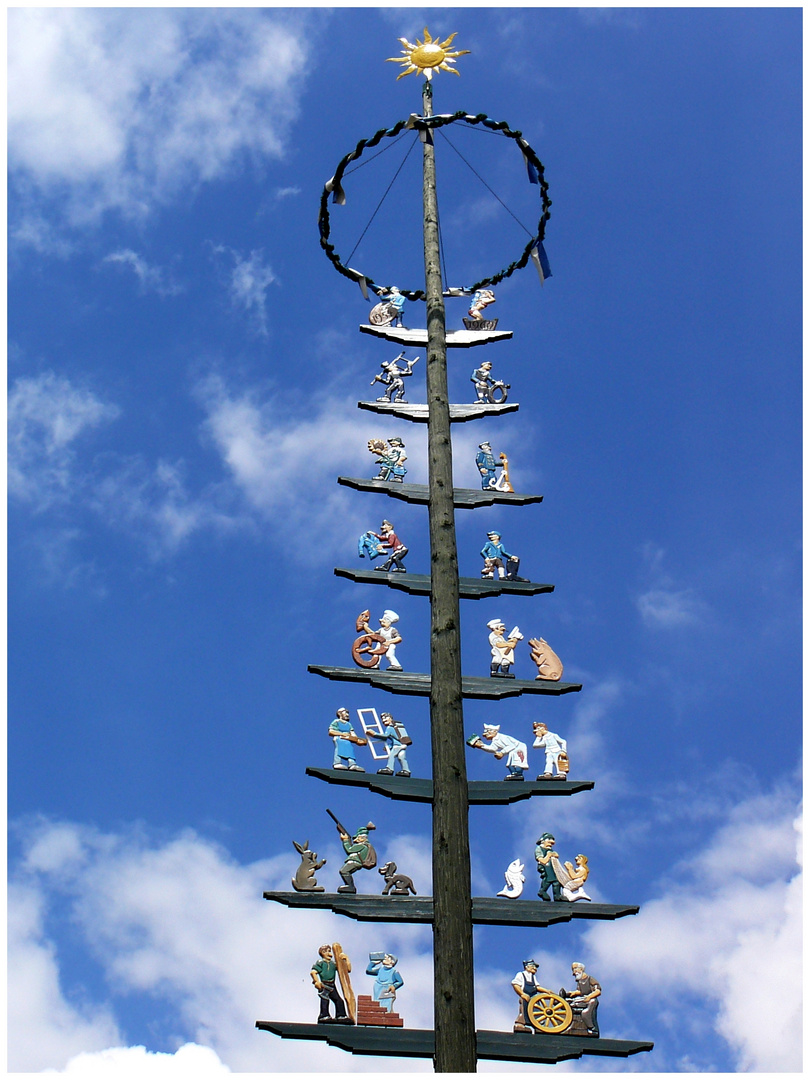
517 758
360 855
387 979
396 301
482 381
396 740
502 648
486 465
584 1001
544 854
555 748
482 299
323 973
345 739
525 986
496 557
391 458
391 637
391 545
393 376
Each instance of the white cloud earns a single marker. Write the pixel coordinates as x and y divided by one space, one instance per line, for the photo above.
150 278
662 605
727 928
248 283
45 1026
279 459
283 457
719 944
47 414
124 1062
212 973
120 109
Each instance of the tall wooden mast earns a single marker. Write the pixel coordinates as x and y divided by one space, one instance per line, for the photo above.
556 1033
454 1007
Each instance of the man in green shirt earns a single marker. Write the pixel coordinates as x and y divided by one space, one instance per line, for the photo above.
323 975
360 855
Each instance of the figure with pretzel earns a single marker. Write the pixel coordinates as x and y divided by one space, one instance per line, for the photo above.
370 647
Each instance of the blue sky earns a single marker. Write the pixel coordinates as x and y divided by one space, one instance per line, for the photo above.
184 368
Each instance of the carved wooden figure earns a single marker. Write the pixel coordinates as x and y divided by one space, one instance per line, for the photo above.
345 739
573 878
497 558
549 665
378 1008
393 376
391 458
555 748
514 878
369 648
396 740
396 884
304 880
571 1012
333 964
360 855
493 742
503 648
389 310
488 391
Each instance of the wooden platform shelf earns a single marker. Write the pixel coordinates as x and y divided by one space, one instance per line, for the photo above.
418 414
486 910
480 792
463 498
468 588
490 1045
456 339
419 684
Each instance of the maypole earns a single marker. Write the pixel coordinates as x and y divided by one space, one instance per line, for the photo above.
453 1006
550 1026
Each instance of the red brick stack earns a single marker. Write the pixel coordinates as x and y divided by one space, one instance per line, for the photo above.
371 1012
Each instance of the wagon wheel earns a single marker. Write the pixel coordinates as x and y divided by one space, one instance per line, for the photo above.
364 646
497 394
549 1013
382 314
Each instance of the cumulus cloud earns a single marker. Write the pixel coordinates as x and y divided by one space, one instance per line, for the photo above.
236 959
720 933
47 415
248 282
150 278
726 928
45 1026
662 605
120 109
124 1062
283 459
264 445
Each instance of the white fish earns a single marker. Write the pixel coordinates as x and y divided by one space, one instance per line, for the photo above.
514 880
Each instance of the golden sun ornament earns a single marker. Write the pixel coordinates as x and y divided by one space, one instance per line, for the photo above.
426 55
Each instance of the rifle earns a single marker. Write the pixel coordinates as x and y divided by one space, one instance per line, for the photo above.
342 828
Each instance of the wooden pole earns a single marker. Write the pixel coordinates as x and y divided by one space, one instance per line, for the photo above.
454 1006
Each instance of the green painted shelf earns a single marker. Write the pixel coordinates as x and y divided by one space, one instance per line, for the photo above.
480 792
486 910
463 498
406 682
468 588
490 1045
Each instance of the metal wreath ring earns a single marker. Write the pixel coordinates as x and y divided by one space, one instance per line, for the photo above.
419 123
